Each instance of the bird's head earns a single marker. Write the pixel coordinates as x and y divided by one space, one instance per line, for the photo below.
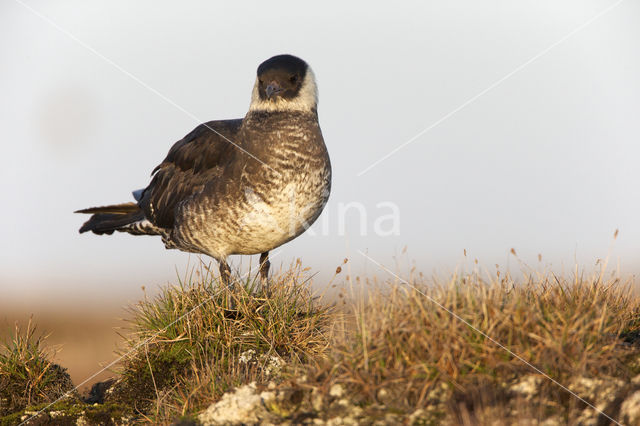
284 83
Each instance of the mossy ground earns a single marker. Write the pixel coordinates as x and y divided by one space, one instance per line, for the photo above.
27 376
418 351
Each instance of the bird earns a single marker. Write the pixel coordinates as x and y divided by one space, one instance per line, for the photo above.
237 187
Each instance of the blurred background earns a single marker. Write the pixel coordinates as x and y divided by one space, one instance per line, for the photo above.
509 124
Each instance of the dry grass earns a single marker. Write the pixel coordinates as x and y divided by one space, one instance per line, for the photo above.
453 349
83 335
409 351
27 376
191 348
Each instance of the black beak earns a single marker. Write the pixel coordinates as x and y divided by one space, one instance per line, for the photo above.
273 89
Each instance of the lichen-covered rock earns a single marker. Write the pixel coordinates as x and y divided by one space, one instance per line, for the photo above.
73 412
317 399
599 391
527 388
271 365
243 406
630 409
336 391
553 421
285 402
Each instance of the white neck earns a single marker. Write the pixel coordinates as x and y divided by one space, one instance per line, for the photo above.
305 101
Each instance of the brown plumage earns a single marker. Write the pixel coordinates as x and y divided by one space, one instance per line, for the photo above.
107 219
240 186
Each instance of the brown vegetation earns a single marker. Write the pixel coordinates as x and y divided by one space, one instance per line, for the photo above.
470 350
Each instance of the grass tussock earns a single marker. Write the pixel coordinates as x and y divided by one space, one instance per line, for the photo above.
27 376
189 348
470 350
466 341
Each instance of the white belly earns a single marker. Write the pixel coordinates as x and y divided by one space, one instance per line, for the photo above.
266 225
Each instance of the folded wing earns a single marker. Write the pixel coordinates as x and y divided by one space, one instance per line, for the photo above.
197 159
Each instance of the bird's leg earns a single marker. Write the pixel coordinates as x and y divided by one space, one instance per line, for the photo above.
264 271
225 277
225 274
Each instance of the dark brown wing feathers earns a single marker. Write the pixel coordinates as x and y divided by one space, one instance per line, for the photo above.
107 219
198 158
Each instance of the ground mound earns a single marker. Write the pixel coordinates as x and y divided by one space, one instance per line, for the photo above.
469 350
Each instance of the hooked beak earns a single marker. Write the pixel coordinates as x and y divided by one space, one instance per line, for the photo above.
273 89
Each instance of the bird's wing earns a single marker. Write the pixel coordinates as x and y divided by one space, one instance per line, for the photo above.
192 162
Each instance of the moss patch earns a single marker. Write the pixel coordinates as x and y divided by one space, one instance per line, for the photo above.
27 376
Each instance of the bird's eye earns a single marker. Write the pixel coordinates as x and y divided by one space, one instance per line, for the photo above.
260 82
293 79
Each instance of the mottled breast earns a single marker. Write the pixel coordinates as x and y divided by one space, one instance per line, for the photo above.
267 197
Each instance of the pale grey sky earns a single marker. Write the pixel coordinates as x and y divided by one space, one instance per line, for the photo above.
546 161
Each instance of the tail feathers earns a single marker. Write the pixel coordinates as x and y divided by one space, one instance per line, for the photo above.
114 208
127 217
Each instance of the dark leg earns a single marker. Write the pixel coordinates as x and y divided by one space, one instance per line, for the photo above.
225 274
264 271
225 277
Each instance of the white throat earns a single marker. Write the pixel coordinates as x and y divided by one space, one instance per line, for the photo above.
306 101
